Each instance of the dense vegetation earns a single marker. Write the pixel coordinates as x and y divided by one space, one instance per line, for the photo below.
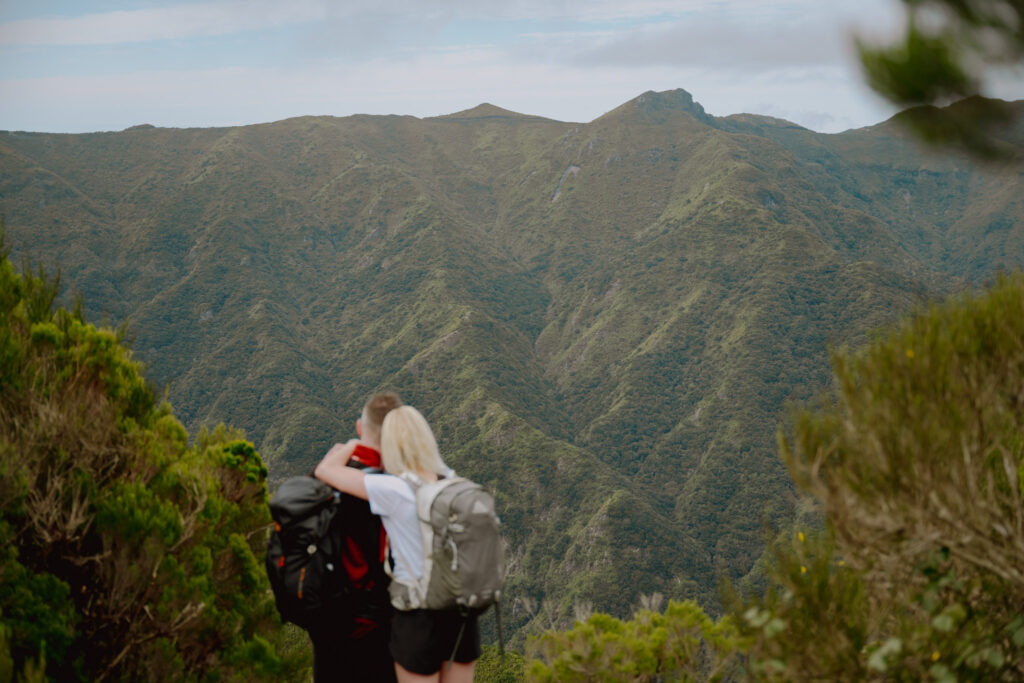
917 465
603 321
125 552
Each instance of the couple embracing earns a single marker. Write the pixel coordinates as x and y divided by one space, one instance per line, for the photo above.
423 644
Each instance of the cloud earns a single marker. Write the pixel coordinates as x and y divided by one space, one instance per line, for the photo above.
603 11
164 23
722 43
225 17
586 11
723 35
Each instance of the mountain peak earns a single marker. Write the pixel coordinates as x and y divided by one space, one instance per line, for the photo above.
657 105
485 111
677 99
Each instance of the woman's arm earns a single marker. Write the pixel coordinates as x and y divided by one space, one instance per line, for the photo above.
334 471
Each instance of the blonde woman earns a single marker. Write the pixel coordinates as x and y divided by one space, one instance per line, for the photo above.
422 641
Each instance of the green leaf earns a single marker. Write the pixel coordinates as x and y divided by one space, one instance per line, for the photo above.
1018 637
941 674
877 660
756 617
774 627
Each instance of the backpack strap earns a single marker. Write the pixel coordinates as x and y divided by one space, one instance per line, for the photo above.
389 562
462 629
414 593
501 634
458 640
389 570
416 589
414 480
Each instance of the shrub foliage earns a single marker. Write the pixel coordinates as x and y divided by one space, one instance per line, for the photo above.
125 553
681 643
918 464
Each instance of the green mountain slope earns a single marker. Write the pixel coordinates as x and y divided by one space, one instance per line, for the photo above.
603 321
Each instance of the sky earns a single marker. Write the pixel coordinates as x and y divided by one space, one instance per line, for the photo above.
75 66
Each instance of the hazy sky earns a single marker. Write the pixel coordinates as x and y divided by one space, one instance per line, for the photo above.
78 65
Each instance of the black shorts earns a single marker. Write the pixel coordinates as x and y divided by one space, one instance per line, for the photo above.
422 640
355 656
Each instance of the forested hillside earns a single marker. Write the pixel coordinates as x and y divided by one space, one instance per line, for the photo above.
604 321
913 571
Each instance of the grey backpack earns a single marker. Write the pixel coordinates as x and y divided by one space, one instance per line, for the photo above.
464 563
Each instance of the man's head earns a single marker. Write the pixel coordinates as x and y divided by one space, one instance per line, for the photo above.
368 426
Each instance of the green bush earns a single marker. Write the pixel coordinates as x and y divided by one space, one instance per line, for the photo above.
496 667
682 643
125 553
917 463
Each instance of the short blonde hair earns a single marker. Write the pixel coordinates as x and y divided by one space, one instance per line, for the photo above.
374 412
407 444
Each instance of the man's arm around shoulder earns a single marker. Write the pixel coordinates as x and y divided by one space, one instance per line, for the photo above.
333 470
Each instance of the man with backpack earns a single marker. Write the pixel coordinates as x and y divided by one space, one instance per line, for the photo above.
350 639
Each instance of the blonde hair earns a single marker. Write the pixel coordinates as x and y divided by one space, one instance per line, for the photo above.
407 444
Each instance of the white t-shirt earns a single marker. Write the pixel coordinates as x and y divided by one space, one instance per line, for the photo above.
394 501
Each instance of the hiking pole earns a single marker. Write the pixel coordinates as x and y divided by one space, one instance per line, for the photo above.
501 636
458 641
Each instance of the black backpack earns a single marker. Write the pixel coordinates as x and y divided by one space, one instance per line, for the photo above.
304 554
